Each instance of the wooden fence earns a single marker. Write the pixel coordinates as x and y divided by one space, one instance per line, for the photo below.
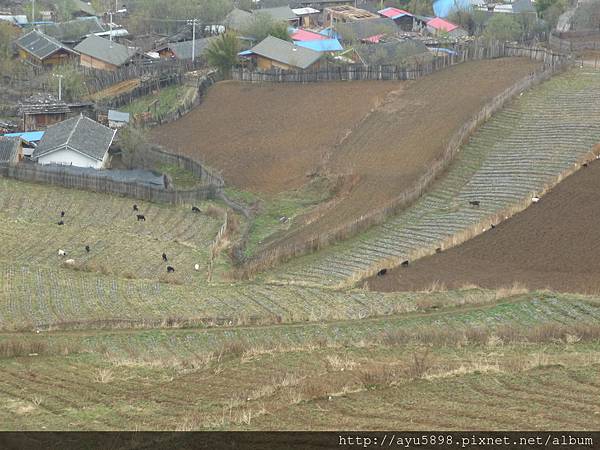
280 252
574 41
350 72
96 80
63 177
203 85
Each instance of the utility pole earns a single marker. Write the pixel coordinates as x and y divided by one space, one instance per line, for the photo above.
32 11
110 26
60 77
193 21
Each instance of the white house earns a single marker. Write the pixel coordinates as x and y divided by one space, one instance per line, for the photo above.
117 119
79 141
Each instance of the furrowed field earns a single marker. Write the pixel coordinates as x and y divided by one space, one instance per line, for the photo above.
120 245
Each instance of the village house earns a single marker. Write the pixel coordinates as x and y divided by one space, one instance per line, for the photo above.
78 141
437 25
403 19
41 49
183 50
307 17
237 19
82 9
117 119
73 31
42 110
279 14
99 53
274 53
346 13
11 150
29 141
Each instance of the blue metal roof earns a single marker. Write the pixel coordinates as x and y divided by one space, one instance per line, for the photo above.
29 136
329 32
443 8
245 53
322 45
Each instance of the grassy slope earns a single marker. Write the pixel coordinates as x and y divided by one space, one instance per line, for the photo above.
282 377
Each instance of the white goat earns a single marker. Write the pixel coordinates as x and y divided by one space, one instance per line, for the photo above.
62 253
70 262
535 199
196 267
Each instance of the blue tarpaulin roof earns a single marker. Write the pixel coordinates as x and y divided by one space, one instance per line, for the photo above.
329 32
323 45
442 8
29 136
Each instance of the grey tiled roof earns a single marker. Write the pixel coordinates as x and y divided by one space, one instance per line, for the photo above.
279 13
104 50
8 148
80 134
73 30
363 29
286 52
43 104
40 45
237 19
183 50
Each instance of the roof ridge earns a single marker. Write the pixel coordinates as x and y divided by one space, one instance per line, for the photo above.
73 130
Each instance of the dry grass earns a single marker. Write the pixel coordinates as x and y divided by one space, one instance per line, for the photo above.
103 376
12 349
216 212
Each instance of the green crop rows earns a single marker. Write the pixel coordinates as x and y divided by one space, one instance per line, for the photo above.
510 158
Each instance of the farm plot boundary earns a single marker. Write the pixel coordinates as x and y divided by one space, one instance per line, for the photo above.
353 72
212 183
283 252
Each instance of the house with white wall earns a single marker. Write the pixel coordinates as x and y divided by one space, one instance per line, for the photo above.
79 141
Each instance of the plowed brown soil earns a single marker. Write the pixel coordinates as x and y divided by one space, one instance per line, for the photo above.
552 244
268 138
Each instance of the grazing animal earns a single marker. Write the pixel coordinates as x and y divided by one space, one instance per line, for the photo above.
585 164
62 214
196 267
493 226
438 250
382 272
135 208
70 262
170 269
141 217
283 219
87 248
62 253
164 256
60 222
195 209
535 199
404 263
474 203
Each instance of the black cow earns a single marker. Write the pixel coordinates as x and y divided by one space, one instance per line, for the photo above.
195 209
474 203
164 257
141 217
170 269
135 208
62 214
585 164
493 226
382 272
87 248
404 263
60 222
438 250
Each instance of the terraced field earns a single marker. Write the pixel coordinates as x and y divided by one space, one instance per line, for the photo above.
515 155
289 376
120 245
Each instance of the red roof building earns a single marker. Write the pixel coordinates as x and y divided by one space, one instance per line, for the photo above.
441 25
305 35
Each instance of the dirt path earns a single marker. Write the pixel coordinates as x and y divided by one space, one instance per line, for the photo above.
552 244
115 89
